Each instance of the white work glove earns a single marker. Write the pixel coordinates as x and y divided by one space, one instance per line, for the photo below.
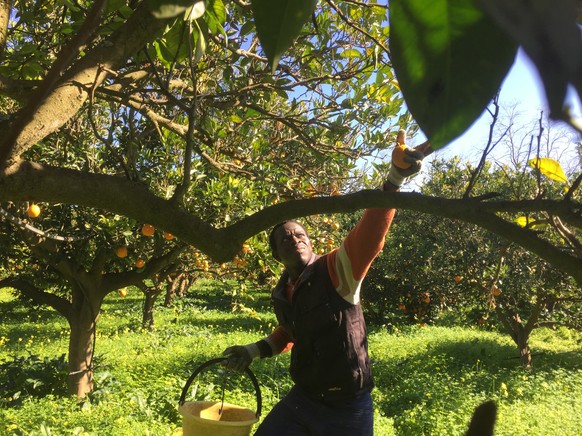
406 162
239 357
398 175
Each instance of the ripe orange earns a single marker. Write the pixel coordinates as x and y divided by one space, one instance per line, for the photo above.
457 278
33 210
496 291
121 251
148 230
123 292
140 263
398 155
168 236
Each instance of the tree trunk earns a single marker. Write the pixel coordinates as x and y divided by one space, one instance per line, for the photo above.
184 283
519 333
170 291
524 350
83 323
177 285
148 307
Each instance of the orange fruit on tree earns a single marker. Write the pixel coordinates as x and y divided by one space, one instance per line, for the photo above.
33 210
148 230
168 236
457 278
123 292
140 263
496 291
399 152
121 251
398 155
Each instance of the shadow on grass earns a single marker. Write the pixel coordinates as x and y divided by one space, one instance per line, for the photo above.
447 373
438 368
21 321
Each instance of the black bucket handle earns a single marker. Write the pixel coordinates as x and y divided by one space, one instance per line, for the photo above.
213 362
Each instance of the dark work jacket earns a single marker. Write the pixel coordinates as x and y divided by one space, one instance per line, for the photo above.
329 358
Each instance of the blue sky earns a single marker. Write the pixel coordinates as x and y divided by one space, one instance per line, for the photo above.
521 87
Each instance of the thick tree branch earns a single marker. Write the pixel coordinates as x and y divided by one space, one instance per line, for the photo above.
131 199
37 98
114 281
5 6
27 289
73 88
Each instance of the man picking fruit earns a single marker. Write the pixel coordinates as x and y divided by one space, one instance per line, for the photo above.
317 303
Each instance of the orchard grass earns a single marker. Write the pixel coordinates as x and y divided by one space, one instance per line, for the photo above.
428 379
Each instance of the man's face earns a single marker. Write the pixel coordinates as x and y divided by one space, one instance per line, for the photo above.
293 247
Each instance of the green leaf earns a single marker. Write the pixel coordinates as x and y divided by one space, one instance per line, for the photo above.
524 221
195 11
217 8
559 58
200 44
450 60
278 23
169 8
351 53
550 168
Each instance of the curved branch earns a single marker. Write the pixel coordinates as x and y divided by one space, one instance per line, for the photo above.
134 200
63 61
467 210
112 193
114 281
27 289
64 101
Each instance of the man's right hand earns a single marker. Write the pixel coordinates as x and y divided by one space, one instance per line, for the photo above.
238 357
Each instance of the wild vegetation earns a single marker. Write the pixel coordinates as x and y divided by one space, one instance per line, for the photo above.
429 379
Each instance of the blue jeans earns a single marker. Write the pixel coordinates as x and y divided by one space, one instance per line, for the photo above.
297 414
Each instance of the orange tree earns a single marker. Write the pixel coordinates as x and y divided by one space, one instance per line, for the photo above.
436 270
200 74
178 123
195 116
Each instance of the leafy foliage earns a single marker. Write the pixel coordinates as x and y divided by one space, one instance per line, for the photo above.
431 45
278 22
31 376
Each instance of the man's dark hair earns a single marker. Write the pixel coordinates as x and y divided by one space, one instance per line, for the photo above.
272 242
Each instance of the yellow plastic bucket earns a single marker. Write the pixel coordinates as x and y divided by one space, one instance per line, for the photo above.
204 418
217 418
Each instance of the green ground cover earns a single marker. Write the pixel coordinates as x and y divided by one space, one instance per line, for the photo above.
428 379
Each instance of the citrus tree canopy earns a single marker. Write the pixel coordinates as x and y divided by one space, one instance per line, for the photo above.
205 121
